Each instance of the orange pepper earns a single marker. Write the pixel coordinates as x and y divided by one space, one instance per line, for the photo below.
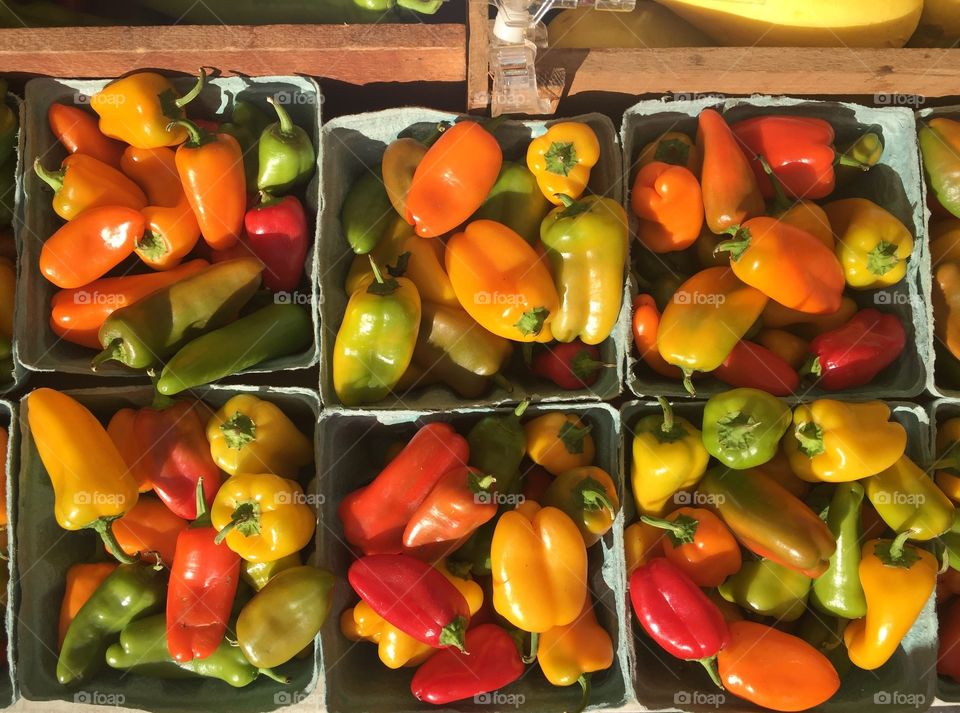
150 529
699 544
453 179
786 264
172 229
84 182
788 346
668 201
120 430
730 192
811 218
78 132
82 581
90 245
646 321
211 171
945 241
805 324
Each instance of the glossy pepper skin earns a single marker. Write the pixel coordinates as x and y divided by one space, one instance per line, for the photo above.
645 323
497 445
516 201
586 244
775 670
750 365
449 340
768 520
852 355
742 427
873 246
120 430
806 325
908 500
948 658
836 441
426 270
366 215
898 580
698 542
149 529
838 590
573 365
768 589
562 158
459 503
399 164
502 282
539 566
90 245
787 346
668 456
81 582
287 157
453 179
84 182
641 544
81 461
559 442
257 574
589 497
668 201
78 133
940 147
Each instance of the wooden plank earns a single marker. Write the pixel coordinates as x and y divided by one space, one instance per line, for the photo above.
357 54
478 54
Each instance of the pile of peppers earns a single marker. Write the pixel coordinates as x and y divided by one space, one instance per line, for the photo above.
204 522
471 555
746 257
459 255
780 548
183 241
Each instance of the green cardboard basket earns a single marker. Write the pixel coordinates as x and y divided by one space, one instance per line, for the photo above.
8 682
19 374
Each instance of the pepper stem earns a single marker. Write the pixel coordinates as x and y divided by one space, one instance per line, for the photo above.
681 531
196 135
103 527
195 91
114 350
736 246
54 179
377 275
286 123
245 520
810 437
521 408
595 497
534 646
845 160
565 200
710 664
584 682
269 673
896 547
438 132
453 634
203 516
781 202
667 426
238 431
688 382
503 382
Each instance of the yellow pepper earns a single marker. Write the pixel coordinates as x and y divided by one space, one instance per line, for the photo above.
92 486
668 456
559 442
836 442
673 147
262 517
948 458
539 566
425 269
908 501
897 581
250 435
561 159
872 244
641 542
8 291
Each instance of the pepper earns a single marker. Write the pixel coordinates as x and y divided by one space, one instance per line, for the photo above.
150 529
677 614
571 365
774 669
91 484
431 365
202 361
130 591
838 590
730 192
453 179
366 215
742 427
768 520
287 158
948 656
502 282
257 574
872 244
387 252
707 316
76 315
154 327
81 582
852 355
946 307
940 148
668 456
375 516
908 500
836 441
787 346
945 241
897 580
586 244
559 442
674 148
515 201
459 503
246 125
768 589
138 109
645 323
825 634
668 201
497 445
91 245
399 164
948 440
539 565
810 218
84 182
375 342
751 365
641 543
251 435
807 325
78 133
489 662
588 496
562 158
698 542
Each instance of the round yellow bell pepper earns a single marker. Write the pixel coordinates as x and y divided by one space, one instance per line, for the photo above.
559 442
561 159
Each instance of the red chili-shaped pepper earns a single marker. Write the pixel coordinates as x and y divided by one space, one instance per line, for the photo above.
491 661
278 234
753 366
569 365
852 355
374 517
203 585
412 596
460 502
677 614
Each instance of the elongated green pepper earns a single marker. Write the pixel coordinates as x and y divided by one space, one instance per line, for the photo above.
155 327
286 157
838 590
271 332
742 427
367 214
940 146
907 499
768 589
516 201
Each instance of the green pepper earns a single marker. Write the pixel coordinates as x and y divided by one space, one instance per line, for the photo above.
286 154
516 201
367 214
838 591
907 500
474 557
128 592
151 329
424 7
257 574
274 331
8 126
246 125
497 447
940 147
768 589
825 634
742 427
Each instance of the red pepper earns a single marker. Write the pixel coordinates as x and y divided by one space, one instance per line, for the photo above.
570 365
754 366
677 614
948 660
412 596
460 502
851 355
175 455
278 234
374 517
203 585
491 662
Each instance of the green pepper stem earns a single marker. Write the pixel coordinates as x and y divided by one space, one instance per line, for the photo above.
781 202
103 527
54 179
377 275
846 160
595 497
811 367
521 408
710 664
735 246
680 533
899 542
114 350
239 431
667 425
286 123
266 199
203 516
503 382
584 682
534 646
453 634
565 200
197 136
810 437
195 91
437 133
688 382
269 673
